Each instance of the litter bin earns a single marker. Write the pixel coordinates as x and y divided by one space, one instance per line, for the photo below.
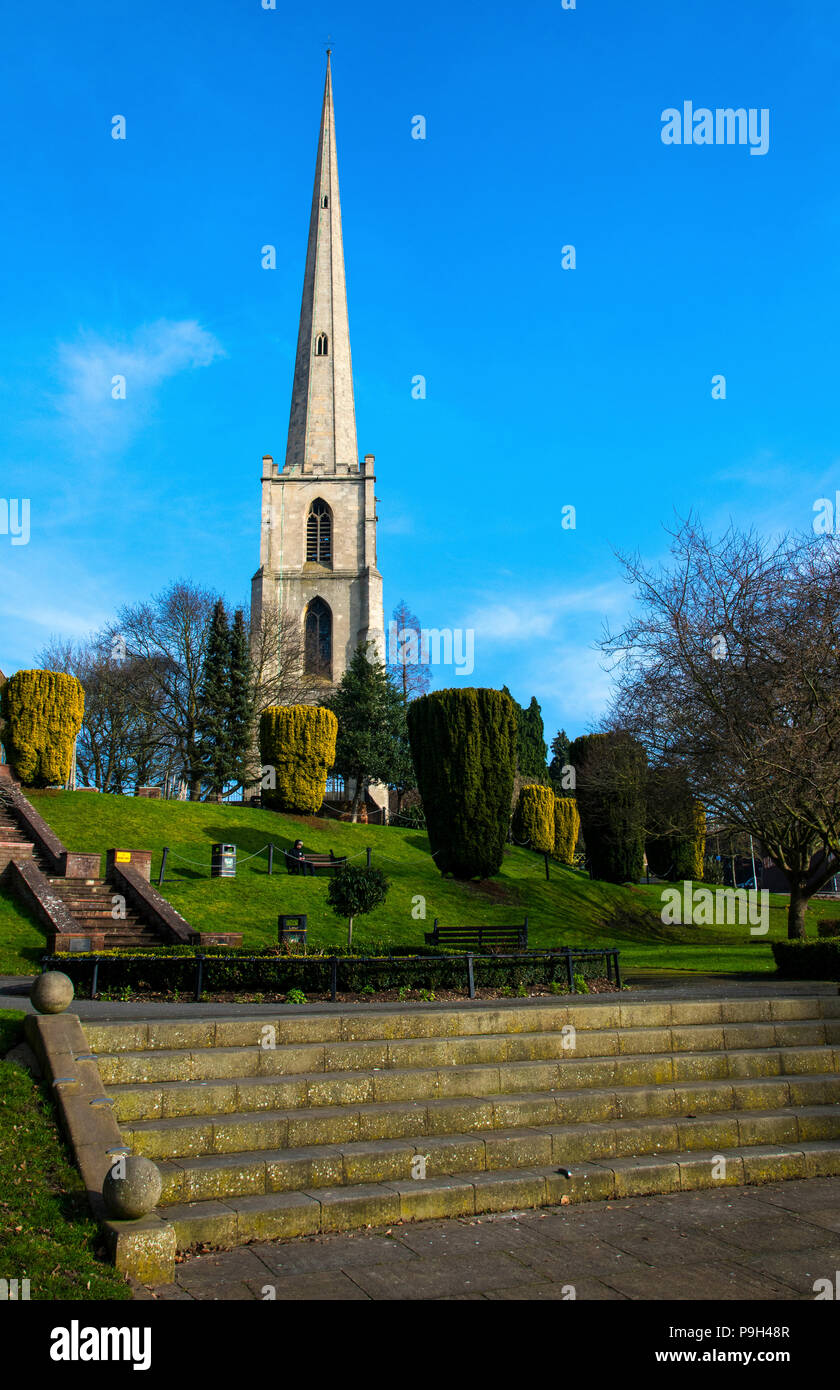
291 930
223 861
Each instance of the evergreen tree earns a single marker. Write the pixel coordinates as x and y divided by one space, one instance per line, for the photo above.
464 747
370 746
559 760
240 699
213 714
531 751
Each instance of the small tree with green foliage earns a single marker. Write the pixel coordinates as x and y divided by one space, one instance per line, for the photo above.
355 890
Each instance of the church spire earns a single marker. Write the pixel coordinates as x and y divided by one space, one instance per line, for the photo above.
322 423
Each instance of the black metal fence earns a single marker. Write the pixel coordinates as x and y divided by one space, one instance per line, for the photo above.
567 956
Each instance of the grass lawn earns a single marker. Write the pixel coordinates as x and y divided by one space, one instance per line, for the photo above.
569 909
49 1235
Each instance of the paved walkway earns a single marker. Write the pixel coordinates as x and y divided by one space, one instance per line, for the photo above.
765 1243
14 994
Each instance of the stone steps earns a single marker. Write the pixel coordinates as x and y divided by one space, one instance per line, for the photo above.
283 1215
172 1099
173 1136
314 1119
216 1176
215 1063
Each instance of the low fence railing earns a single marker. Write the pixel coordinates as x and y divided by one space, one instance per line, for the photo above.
568 955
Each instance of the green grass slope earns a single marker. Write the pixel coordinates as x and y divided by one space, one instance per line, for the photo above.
569 909
49 1235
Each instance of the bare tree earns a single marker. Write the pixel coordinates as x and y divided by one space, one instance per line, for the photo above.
731 672
407 669
165 640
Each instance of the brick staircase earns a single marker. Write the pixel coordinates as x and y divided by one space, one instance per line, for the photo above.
519 1105
14 844
89 900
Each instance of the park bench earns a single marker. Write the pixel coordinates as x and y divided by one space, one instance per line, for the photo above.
479 938
310 864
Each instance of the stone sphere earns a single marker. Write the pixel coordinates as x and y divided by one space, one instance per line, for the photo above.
135 1195
52 992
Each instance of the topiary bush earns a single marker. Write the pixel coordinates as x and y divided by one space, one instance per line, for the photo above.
463 745
566 828
42 713
298 741
610 777
533 819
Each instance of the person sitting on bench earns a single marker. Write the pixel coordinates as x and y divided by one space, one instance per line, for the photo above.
296 852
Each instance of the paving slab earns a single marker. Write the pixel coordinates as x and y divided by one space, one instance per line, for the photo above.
769 1244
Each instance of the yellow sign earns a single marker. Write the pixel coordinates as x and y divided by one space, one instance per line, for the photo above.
123 856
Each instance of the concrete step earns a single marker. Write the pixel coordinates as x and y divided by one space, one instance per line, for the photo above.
214 1063
293 1025
217 1177
243 1094
283 1215
236 1131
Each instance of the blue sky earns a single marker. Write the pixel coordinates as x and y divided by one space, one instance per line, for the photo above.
545 387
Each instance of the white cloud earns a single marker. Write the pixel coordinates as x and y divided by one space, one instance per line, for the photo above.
522 619
145 359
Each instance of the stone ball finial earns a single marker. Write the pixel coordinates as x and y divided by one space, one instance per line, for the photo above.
132 1188
52 992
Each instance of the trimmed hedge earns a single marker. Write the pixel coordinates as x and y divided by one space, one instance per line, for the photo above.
566 828
610 784
828 926
808 960
172 969
463 743
298 741
534 817
43 713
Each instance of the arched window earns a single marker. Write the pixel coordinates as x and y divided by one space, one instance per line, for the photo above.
319 533
321 345
317 646
325 202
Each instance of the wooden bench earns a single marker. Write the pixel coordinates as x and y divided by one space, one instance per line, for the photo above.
310 864
480 938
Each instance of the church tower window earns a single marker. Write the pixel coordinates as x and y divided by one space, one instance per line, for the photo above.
325 202
317 649
321 345
319 533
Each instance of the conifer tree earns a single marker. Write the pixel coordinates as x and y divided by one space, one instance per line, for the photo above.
214 704
371 741
240 699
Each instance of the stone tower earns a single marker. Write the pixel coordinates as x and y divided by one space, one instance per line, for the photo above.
318 534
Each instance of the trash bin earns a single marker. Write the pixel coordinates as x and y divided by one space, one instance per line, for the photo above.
291 930
223 861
